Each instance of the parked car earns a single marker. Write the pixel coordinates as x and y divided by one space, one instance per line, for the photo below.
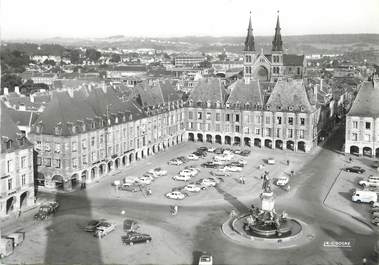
144 180
192 188
220 173
245 152
182 158
130 180
206 260
209 164
158 171
131 188
226 157
189 171
182 177
92 225
242 161
218 162
235 164
237 151
282 181
104 228
134 238
211 149
116 183
271 161
176 195
130 225
233 168
192 157
175 161
200 154
355 169
218 151
208 182
364 196
203 149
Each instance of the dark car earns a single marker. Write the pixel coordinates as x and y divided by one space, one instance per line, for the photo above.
209 164
92 224
245 153
200 153
355 169
135 238
203 149
235 164
131 188
41 216
130 225
182 158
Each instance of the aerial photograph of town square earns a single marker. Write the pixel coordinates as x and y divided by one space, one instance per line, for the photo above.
197 132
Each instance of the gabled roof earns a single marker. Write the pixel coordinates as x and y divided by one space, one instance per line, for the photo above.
366 104
246 93
10 132
293 60
290 95
208 89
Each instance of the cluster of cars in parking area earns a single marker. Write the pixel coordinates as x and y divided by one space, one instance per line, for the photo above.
220 163
46 209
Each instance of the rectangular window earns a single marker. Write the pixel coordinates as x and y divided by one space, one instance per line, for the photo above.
84 159
278 133
23 162
368 125
23 180
10 184
279 120
57 148
355 137
258 119
367 137
290 133
9 165
302 121
257 131
101 138
47 147
38 145
84 144
301 134
237 117
93 141
74 162
237 128
208 116
39 161
355 124
227 117
218 116
290 121
268 120
268 132
208 127
47 162
93 157
218 129
190 115
199 115
57 163
74 147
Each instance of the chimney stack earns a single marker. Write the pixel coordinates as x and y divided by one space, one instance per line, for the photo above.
6 91
17 90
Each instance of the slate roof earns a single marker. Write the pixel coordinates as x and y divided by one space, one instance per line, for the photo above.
290 95
293 60
16 100
246 93
208 89
23 118
366 104
10 132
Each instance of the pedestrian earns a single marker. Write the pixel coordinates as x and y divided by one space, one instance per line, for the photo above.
243 180
292 173
288 162
240 179
149 192
19 213
233 213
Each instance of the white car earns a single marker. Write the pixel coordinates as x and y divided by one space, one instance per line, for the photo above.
282 181
271 161
144 180
366 183
158 171
242 161
233 168
192 157
116 183
218 162
176 162
176 195
208 182
104 228
188 172
130 180
211 149
182 177
192 188
205 260
226 157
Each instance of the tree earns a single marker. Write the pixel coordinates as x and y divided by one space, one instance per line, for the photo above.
93 55
75 57
49 62
205 64
115 58
10 81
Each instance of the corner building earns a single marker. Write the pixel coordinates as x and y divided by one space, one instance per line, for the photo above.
16 167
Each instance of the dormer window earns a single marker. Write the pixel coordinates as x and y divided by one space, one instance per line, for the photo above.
38 128
93 125
57 130
290 108
73 129
9 144
130 117
199 103
279 107
83 127
302 108
208 104
268 107
116 120
218 104
227 105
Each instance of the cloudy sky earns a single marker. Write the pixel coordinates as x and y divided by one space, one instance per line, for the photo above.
166 18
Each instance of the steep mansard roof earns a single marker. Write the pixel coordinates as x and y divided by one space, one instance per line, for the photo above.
156 93
290 95
208 89
10 135
243 93
366 104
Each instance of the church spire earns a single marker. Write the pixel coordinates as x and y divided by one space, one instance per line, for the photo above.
277 43
249 41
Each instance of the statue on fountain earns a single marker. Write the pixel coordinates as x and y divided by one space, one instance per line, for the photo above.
266 186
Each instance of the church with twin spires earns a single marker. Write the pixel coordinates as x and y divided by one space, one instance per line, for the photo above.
270 67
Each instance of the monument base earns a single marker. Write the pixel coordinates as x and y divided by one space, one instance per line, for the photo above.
267 201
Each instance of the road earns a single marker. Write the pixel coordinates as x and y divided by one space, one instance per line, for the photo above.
181 239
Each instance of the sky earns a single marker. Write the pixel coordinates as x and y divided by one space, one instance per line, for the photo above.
25 19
